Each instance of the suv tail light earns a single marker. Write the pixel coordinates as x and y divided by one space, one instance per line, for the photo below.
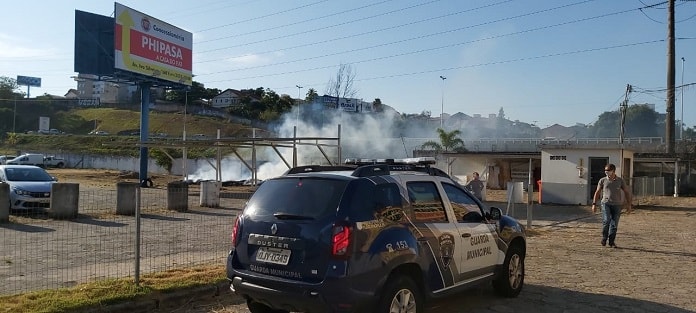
235 232
340 241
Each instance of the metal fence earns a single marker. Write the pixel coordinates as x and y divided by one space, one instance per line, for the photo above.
647 188
39 252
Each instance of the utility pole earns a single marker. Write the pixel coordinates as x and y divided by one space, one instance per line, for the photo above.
622 130
681 120
442 103
669 132
624 106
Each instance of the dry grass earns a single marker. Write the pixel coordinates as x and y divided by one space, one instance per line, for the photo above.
108 291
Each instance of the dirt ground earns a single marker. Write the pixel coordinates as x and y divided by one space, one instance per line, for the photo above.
547 291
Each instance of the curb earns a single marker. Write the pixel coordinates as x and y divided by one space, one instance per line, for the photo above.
159 301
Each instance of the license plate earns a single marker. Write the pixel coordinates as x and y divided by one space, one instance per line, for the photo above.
273 255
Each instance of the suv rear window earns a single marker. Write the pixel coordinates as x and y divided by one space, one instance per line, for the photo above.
301 196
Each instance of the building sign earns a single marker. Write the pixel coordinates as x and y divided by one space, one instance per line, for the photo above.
148 46
330 102
28 81
348 105
557 157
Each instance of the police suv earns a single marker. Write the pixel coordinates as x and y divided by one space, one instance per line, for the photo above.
370 236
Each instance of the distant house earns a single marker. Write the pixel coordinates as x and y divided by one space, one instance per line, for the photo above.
227 98
557 131
72 94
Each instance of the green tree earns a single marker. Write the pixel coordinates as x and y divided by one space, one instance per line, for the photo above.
449 141
196 92
311 95
641 121
8 86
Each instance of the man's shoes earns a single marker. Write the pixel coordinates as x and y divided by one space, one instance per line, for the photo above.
604 242
613 245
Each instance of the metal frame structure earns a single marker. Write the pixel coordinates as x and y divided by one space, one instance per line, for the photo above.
253 143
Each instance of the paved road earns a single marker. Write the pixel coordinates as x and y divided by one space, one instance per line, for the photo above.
653 270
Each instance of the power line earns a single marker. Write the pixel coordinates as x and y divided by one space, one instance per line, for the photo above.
296 23
429 49
451 68
411 23
262 17
360 34
323 28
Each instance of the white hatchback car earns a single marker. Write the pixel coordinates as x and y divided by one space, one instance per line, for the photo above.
30 186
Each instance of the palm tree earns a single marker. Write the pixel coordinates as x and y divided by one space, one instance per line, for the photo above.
449 141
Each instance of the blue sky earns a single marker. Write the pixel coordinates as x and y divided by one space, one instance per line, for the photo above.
543 62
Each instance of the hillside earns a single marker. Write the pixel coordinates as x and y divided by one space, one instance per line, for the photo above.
172 124
116 121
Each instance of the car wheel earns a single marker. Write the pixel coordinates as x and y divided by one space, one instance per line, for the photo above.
401 295
60 165
510 279
255 307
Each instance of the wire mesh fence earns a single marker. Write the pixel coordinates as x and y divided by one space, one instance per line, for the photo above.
40 252
647 188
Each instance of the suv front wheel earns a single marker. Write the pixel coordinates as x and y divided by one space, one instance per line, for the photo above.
511 276
401 295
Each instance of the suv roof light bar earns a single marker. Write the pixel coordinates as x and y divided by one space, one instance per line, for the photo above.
404 161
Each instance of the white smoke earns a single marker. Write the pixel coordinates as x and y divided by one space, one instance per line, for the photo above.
362 135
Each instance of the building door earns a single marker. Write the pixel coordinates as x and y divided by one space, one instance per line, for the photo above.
596 173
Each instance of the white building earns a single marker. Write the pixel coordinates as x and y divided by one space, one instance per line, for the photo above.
565 175
570 175
226 99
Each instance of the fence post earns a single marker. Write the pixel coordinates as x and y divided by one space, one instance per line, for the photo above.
4 202
177 196
210 194
125 198
137 236
64 200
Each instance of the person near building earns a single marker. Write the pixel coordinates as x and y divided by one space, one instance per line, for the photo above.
613 191
476 186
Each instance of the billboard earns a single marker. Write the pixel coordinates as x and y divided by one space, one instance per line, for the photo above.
28 81
94 44
44 123
151 47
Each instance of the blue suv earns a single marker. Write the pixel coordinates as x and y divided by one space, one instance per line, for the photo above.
370 236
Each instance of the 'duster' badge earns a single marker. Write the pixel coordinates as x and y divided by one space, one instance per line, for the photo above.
446 241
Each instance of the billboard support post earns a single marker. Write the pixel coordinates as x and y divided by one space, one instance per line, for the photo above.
144 117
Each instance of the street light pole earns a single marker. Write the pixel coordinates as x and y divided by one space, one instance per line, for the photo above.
297 115
681 123
442 103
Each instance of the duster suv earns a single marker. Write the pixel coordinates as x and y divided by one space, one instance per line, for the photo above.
370 236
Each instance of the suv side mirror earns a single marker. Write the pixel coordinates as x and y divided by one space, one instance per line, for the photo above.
495 213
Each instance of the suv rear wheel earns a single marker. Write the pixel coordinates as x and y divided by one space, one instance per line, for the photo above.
255 307
401 295
511 276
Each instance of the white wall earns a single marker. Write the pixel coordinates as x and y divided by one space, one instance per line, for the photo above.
565 173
